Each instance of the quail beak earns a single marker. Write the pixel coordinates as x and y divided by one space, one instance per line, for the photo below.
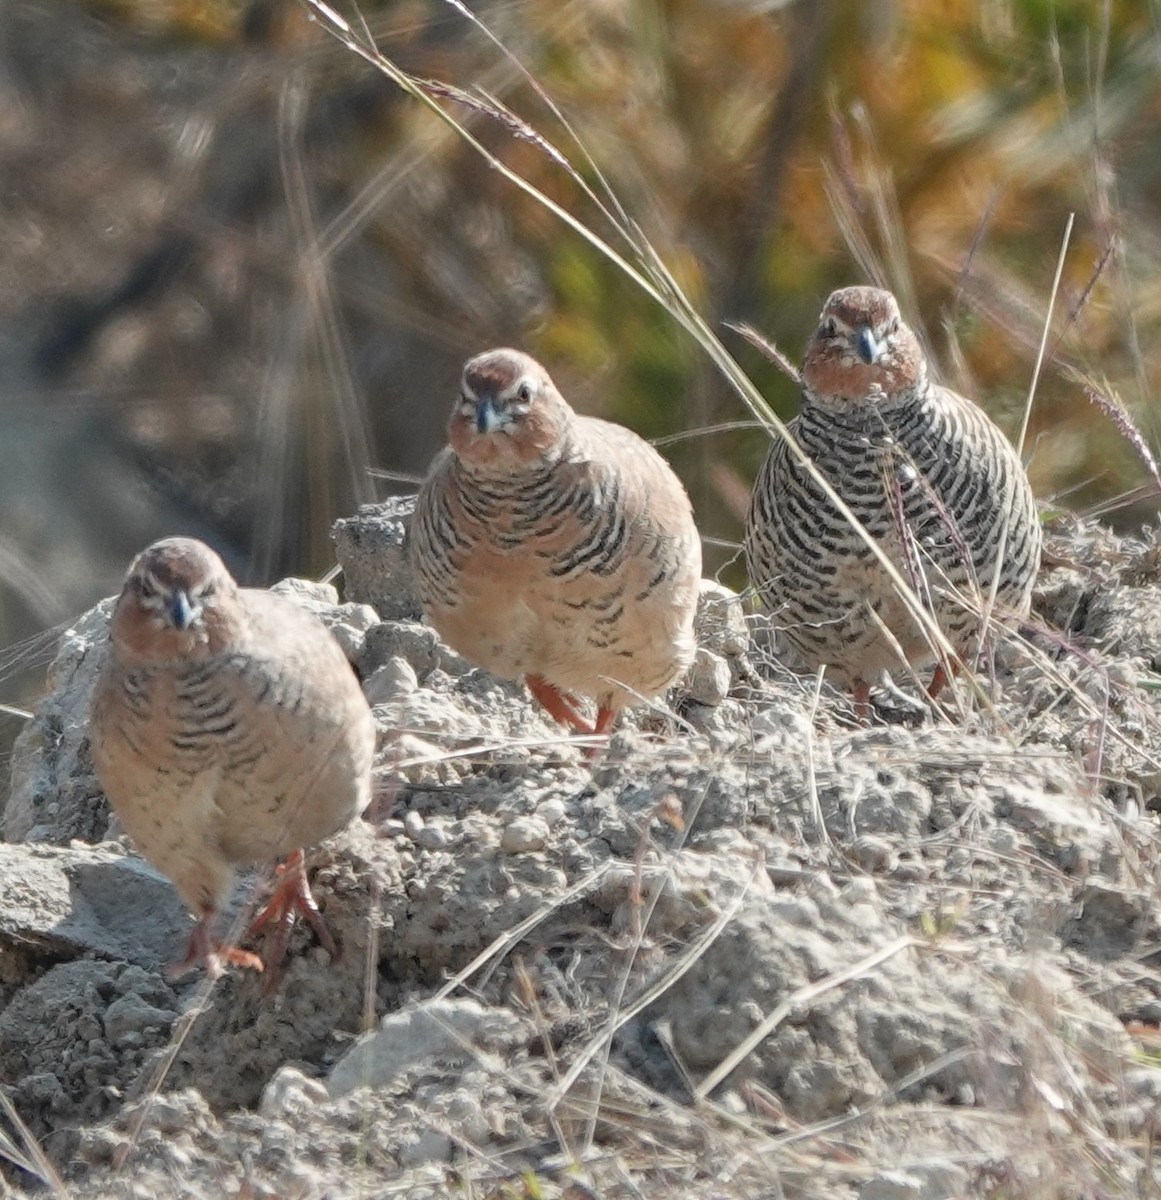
182 611
866 345
488 420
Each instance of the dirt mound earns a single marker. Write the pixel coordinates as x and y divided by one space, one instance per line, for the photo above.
752 950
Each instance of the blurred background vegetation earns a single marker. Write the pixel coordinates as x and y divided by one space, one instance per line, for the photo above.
242 269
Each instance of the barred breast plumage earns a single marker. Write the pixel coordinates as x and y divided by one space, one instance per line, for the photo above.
555 547
932 479
227 729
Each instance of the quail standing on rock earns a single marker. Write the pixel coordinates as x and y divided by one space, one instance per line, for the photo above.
227 729
555 547
931 478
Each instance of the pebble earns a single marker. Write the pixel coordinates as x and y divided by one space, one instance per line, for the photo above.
290 1088
551 811
708 678
431 837
720 622
395 678
523 835
874 853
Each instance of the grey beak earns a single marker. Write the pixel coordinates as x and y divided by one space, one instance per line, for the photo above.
181 610
487 418
866 345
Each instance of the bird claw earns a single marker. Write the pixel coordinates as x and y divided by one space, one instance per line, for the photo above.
292 897
206 951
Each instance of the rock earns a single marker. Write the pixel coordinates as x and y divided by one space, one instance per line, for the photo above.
873 853
720 621
290 1090
917 1181
1109 922
308 593
54 794
451 1030
708 679
79 900
430 837
416 644
370 550
523 835
395 679
721 628
551 811
132 1015
348 623
55 1045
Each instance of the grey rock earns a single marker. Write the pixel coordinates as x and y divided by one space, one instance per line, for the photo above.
348 623
720 621
54 1044
551 811
1109 921
54 794
431 837
395 679
309 593
131 1014
289 1091
370 549
416 644
524 835
708 679
448 1030
918 1181
80 900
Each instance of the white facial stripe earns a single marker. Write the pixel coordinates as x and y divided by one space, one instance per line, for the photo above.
527 383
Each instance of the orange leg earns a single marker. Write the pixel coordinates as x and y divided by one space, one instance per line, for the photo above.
291 898
559 705
604 725
205 950
862 694
940 679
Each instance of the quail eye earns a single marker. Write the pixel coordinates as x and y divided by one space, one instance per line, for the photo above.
524 393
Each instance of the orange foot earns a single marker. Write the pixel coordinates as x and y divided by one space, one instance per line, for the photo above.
291 898
559 705
205 950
